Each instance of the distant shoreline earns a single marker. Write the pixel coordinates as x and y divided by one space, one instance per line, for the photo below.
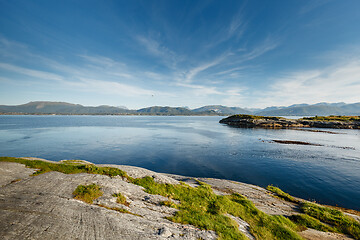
107 114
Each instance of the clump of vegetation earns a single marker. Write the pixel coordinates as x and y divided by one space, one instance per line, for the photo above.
44 166
280 194
337 219
309 222
333 118
121 199
15 180
315 216
87 193
74 162
202 208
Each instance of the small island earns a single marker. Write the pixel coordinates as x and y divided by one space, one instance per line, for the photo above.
252 121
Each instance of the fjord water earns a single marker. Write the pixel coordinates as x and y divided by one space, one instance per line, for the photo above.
200 147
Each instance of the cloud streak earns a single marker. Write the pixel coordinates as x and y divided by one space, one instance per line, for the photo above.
30 72
337 83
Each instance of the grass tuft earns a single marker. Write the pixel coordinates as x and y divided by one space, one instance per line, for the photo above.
87 193
280 194
121 199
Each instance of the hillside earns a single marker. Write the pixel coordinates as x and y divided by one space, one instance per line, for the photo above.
42 107
321 109
157 110
222 110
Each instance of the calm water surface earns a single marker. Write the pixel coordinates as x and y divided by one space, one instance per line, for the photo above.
197 146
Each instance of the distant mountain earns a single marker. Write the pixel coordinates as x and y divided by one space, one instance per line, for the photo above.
157 110
219 109
59 108
320 109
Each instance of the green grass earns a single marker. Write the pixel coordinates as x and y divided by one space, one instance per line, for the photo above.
337 219
87 193
44 166
202 208
280 194
121 199
333 118
168 204
315 216
307 221
74 162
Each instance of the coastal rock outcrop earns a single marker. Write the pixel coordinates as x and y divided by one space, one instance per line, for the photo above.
249 121
43 206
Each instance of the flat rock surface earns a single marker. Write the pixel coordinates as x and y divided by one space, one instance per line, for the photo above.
12 172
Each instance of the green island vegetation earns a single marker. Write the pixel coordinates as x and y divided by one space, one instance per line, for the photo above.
246 116
87 193
202 208
333 118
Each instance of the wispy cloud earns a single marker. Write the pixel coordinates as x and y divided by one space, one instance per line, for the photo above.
101 61
312 5
200 90
267 45
157 49
93 73
235 29
336 83
111 87
30 72
189 75
231 70
237 25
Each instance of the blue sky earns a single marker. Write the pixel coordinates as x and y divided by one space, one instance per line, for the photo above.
180 53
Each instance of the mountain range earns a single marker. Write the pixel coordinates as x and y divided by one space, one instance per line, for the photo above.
320 109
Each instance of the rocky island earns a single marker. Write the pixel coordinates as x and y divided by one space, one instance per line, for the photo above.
252 121
74 199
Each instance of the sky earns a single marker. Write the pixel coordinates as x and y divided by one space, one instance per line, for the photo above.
253 54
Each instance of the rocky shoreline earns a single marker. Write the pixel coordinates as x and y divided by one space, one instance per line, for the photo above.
249 121
43 206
